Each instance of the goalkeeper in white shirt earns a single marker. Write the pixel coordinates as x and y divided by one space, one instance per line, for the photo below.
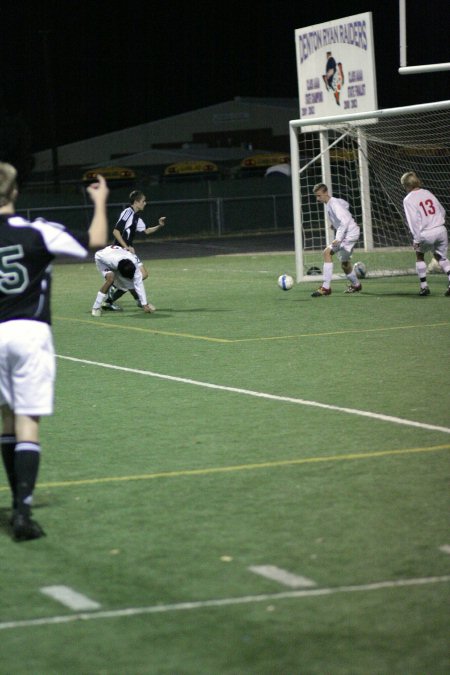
425 216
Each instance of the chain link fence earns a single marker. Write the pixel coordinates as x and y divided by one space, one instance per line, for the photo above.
210 216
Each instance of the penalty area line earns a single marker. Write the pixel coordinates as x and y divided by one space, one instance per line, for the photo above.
222 602
144 330
263 395
240 467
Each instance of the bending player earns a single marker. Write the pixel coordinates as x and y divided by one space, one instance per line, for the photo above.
123 269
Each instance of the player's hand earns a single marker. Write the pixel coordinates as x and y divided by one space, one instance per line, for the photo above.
162 221
99 190
416 246
335 245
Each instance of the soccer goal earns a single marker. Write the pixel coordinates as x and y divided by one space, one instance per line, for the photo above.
361 158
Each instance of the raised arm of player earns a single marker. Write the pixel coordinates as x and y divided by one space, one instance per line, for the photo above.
155 228
98 230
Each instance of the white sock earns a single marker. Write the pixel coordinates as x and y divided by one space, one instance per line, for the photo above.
98 300
327 274
445 267
421 269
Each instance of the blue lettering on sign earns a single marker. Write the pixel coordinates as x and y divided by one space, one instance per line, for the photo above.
356 90
354 33
313 83
355 76
316 97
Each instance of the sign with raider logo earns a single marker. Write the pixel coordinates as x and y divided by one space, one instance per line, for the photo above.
336 67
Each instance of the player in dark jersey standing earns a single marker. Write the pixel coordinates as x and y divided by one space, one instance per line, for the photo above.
130 222
27 360
124 232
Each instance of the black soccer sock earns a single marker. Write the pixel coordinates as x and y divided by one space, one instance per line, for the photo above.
134 294
8 444
116 295
26 465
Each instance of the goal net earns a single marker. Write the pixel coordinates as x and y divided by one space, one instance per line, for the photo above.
361 158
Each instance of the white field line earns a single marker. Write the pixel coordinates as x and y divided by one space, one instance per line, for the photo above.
260 394
223 602
70 598
282 576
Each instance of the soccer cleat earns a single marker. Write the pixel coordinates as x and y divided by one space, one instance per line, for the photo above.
110 306
321 291
96 312
151 307
111 291
353 288
424 291
24 528
447 292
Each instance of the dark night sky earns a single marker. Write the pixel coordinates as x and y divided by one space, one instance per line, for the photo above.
114 67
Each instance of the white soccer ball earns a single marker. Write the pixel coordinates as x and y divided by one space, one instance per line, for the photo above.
434 267
285 282
360 270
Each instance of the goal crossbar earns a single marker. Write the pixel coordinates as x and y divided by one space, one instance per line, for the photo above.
383 112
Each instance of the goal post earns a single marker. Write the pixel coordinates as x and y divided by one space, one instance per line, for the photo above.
361 157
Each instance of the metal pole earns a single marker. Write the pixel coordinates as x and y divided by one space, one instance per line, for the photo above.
402 22
375 114
429 68
364 181
296 197
275 215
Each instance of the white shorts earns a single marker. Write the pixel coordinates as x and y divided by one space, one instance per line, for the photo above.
345 249
435 240
27 367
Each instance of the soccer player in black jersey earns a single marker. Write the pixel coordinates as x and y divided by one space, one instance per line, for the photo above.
129 223
27 360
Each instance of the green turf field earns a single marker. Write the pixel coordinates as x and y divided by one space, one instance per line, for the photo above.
239 427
